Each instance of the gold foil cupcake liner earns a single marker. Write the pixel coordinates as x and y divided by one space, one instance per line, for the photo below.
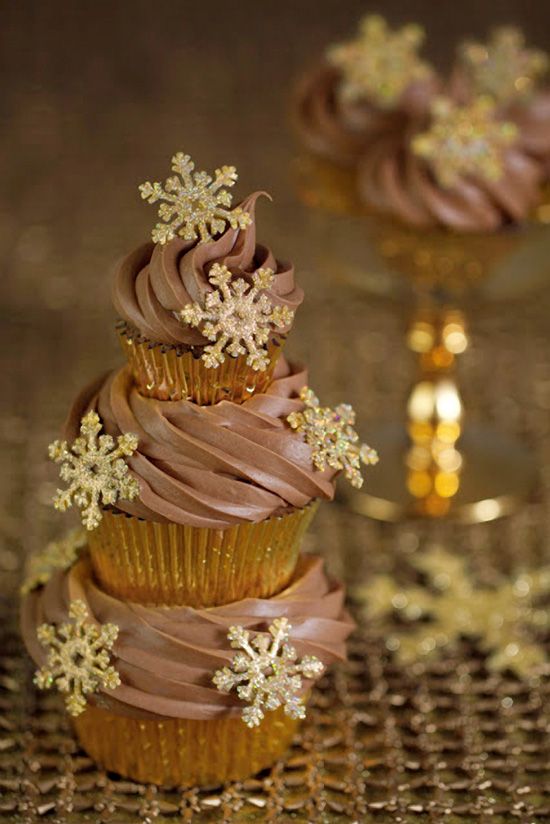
172 373
183 752
172 564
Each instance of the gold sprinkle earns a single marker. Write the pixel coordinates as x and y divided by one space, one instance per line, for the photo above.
78 658
379 64
503 67
331 436
266 672
194 205
238 317
503 620
58 555
95 469
465 140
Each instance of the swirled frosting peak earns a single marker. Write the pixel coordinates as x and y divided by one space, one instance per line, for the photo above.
211 466
156 282
166 657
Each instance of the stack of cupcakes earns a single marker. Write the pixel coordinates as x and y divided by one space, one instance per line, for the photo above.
198 467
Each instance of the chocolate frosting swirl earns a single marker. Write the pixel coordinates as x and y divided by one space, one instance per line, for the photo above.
342 130
394 181
166 657
155 282
210 466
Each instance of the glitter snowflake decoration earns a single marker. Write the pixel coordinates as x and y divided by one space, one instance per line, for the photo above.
267 673
504 620
332 438
194 205
237 317
465 140
380 63
95 470
78 661
58 555
504 68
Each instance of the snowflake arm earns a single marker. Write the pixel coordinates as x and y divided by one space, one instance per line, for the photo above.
78 661
465 140
379 64
94 469
333 440
237 317
503 620
266 673
58 555
504 67
194 205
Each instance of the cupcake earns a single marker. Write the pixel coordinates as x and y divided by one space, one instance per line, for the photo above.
162 694
225 492
204 310
194 515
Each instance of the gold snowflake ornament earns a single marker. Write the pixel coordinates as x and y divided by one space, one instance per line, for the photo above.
465 140
78 662
238 317
504 620
95 469
194 205
267 673
504 68
380 63
332 438
58 555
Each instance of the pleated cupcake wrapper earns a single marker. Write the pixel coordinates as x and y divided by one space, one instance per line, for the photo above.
171 564
180 752
168 373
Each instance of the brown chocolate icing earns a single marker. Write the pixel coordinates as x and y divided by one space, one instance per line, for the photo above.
394 181
154 282
342 130
210 466
166 657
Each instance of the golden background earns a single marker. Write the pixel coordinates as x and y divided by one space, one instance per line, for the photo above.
96 97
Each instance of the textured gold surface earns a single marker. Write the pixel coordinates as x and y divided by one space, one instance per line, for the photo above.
164 373
181 752
92 101
159 563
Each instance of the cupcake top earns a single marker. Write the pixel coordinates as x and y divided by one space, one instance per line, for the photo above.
367 85
160 287
210 466
176 662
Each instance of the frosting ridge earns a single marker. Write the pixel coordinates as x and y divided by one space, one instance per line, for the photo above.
166 657
156 281
210 466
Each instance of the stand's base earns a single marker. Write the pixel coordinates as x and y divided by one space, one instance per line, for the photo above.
497 475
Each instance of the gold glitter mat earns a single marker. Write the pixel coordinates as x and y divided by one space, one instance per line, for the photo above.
382 742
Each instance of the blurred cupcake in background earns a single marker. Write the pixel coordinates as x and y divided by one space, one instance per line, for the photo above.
451 175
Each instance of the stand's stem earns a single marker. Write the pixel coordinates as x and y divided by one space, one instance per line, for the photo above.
435 411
